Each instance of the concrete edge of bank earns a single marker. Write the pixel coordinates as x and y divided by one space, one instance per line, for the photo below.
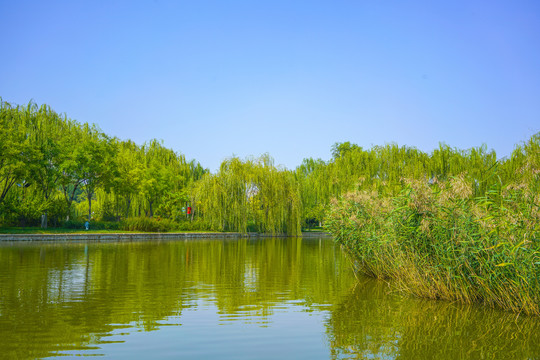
138 236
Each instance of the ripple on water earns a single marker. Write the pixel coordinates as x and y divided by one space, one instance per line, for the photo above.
263 299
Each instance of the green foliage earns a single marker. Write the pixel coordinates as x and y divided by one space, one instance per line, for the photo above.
94 225
147 224
453 224
252 192
195 225
382 169
440 241
17 151
46 159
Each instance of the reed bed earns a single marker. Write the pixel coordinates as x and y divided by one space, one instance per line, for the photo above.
437 240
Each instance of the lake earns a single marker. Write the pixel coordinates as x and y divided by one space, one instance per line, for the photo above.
268 298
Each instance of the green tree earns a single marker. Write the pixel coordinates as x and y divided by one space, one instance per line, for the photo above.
17 151
96 162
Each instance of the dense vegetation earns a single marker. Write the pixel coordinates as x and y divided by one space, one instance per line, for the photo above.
453 224
251 195
470 235
54 169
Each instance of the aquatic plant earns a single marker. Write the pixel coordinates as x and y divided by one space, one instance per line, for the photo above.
442 240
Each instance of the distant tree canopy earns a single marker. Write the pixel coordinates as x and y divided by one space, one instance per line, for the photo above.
252 192
53 168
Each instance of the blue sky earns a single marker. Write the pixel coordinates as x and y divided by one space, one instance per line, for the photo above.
220 78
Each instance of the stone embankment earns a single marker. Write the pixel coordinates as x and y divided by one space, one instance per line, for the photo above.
136 236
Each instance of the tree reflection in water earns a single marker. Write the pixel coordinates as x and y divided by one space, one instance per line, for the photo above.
374 323
75 298
56 296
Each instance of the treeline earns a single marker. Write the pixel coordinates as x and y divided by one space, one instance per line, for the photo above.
459 226
52 167
250 195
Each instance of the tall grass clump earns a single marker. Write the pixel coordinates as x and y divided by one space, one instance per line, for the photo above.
437 240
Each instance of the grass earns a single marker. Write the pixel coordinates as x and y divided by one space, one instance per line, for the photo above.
438 242
38 230
129 225
314 229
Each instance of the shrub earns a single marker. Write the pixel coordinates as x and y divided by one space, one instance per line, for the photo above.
195 225
94 225
147 224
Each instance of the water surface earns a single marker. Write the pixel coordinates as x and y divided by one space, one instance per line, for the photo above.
230 299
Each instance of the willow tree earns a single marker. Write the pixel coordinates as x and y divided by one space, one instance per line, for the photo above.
310 177
384 168
127 181
47 132
148 180
17 151
73 165
96 161
222 198
166 175
275 198
251 192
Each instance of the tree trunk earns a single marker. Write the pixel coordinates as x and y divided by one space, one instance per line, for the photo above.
89 206
127 207
69 198
117 208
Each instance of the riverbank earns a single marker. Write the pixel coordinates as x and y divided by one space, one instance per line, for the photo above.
111 236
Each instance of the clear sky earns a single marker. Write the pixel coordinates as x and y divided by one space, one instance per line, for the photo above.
291 78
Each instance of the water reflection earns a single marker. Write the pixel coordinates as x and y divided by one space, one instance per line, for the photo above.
371 323
287 298
64 297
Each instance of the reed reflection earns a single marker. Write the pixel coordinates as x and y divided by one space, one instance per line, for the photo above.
374 323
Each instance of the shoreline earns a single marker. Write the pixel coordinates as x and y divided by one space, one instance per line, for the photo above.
142 236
